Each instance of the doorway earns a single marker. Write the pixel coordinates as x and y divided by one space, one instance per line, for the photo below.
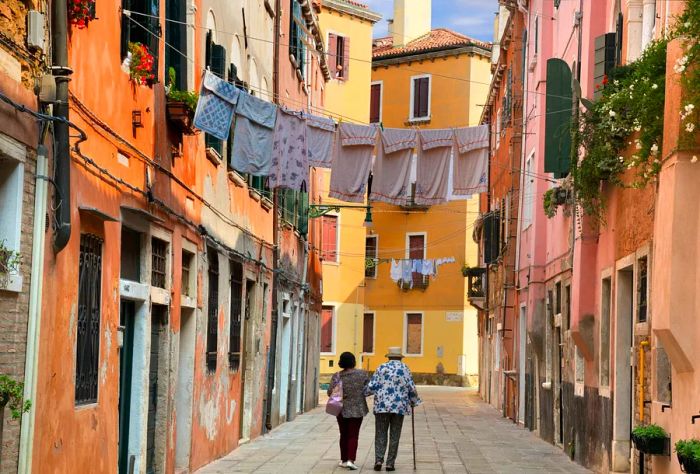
285 364
248 362
522 341
622 401
156 385
183 395
127 313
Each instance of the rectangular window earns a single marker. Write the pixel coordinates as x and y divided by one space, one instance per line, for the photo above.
329 238
234 353
141 26
548 337
187 259
297 48
215 61
557 298
606 297
87 353
416 251
159 253
130 255
213 308
327 330
642 290
176 37
11 197
529 191
340 57
414 334
566 317
375 103
368 333
371 256
420 97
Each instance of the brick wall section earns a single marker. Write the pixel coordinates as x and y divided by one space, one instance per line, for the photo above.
14 308
13 34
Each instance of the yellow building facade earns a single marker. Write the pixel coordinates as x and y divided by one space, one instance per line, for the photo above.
427 78
347 29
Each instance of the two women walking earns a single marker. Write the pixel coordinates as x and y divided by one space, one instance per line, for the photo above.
394 395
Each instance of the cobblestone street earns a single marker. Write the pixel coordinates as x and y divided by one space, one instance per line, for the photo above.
455 432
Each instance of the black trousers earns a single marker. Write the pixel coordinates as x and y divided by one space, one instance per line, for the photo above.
387 431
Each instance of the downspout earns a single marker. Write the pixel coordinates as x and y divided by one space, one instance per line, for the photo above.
61 73
272 358
26 442
303 327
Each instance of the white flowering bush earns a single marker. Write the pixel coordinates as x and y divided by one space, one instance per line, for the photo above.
623 130
687 29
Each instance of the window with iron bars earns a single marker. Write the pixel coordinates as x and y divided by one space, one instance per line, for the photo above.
187 258
159 253
87 354
213 309
234 353
642 303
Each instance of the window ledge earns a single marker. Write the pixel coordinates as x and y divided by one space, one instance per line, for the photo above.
266 203
160 296
133 290
236 178
254 194
11 283
213 156
188 302
418 120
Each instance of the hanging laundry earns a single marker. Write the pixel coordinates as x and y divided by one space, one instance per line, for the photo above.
428 268
320 133
451 195
417 266
391 178
290 163
407 272
395 271
352 161
471 160
443 261
254 132
433 166
216 105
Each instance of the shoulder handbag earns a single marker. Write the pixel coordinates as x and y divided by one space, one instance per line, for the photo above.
334 406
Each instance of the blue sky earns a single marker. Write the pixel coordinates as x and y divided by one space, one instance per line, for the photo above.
470 17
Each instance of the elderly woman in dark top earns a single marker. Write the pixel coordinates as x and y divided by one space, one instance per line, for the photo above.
354 407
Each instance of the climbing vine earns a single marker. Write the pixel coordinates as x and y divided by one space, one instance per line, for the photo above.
687 29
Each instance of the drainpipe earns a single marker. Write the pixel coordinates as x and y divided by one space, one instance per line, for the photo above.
272 357
61 72
33 325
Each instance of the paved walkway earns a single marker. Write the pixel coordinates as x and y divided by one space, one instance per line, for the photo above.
455 433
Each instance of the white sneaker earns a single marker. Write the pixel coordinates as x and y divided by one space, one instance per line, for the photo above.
351 465
341 463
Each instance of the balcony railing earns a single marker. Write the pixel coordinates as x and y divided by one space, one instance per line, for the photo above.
476 282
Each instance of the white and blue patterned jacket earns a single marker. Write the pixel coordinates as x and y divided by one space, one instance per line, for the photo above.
393 389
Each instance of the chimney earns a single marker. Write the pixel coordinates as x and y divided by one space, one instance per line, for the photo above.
411 20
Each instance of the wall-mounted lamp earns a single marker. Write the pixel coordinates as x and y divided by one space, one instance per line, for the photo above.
136 119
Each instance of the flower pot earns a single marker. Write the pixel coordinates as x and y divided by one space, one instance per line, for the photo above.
647 445
560 196
689 465
180 116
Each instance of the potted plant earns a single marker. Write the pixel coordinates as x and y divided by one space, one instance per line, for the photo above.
465 270
181 105
81 12
139 63
9 263
688 452
12 395
650 439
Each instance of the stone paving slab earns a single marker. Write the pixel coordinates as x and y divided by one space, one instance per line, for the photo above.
456 432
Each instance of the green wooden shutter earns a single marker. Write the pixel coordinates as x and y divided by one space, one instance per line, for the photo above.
217 65
303 209
557 139
604 61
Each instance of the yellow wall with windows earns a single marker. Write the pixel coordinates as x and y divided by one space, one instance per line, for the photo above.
343 281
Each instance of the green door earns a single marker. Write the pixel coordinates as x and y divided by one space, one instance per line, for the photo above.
126 355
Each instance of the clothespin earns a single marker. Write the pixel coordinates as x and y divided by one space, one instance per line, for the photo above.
381 125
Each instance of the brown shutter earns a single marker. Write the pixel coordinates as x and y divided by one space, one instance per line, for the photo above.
368 333
416 251
414 332
375 103
332 52
346 58
423 93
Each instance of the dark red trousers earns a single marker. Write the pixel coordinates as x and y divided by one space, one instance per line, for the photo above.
349 435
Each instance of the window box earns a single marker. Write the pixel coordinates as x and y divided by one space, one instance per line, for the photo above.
180 116
651 439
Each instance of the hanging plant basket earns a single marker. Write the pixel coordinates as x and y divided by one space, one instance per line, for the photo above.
180 116
81 12
688 452
139 64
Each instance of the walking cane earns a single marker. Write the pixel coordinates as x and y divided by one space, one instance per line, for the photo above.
413 431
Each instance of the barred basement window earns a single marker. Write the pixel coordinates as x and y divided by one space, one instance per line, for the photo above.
89 312
234 353
213 309
159 252
642 290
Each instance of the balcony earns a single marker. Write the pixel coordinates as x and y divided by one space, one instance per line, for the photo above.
418 282
476 285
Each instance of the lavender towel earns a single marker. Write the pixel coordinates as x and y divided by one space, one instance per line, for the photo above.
391 180
471 160
217 102
290 163
433 166
352 161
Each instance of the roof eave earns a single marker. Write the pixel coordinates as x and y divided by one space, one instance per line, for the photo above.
441 51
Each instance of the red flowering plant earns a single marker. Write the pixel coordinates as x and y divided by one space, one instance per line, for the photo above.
81 12
140 64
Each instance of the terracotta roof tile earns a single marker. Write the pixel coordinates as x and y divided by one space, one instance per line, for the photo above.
438 38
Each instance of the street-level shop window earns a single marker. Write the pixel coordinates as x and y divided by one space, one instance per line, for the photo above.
234 353
212 308
87 354
420 97
371 256
327 330
368 333
329 238
414 334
